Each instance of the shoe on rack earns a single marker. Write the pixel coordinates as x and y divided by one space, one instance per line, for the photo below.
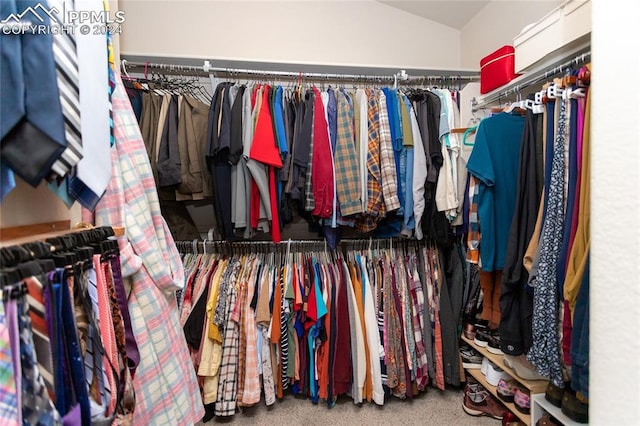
522 401
482 403
494 343
471 384
471 358
484 366
473 387
522 367
482 337
509 419
506 389
548 420
573 408
495 374
469 330
554 394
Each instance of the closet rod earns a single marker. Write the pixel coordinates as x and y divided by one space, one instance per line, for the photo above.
530 80
200 244
207 69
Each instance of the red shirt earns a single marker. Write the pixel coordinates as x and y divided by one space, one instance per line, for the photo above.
322 183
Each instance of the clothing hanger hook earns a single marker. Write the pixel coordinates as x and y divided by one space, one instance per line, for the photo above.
124 68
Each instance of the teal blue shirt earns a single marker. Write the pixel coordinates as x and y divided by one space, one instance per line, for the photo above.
494 161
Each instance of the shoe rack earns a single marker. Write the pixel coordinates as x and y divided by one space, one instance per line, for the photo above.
539 406
534 387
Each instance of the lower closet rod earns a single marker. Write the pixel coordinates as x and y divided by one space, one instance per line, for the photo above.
196 245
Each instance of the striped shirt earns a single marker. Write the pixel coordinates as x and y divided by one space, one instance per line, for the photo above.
387 160
473 237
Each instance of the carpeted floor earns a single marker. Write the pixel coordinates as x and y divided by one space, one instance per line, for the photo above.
433 408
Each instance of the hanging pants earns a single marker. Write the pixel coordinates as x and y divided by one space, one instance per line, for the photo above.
491 282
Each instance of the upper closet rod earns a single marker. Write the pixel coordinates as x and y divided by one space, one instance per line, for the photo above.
207 69
530 80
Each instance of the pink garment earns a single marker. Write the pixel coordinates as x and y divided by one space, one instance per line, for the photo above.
107 332
576 202
165 384
251 394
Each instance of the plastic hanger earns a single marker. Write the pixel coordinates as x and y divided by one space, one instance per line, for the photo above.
570 93
467 133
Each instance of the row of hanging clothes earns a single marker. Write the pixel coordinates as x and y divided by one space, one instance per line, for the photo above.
529 235
67 351
379 162
371 320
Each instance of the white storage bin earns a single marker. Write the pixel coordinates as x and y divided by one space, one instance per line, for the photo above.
567 25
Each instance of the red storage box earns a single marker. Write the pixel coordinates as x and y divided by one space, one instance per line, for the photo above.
497 69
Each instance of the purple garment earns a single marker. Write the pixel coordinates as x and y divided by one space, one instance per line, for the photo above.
73 417
133 355
11 307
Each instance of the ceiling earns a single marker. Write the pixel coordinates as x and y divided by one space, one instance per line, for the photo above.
454 13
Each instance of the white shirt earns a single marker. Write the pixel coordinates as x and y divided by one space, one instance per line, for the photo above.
419 173
358 353
363 104
446 199
373 338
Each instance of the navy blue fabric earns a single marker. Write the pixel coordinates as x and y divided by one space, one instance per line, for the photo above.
12 108
580 338
332 116
78 190
32 124
135 97
74 355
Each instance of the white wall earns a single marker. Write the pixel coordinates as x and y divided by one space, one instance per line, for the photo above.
496 25
26 205
615 217
364 33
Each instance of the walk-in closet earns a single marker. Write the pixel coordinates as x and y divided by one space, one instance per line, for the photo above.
319 212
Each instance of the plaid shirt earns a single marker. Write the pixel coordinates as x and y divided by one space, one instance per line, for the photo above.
345 159
9 398
387 160
375 205
251 392
238 315
437 341
227 384
417 296
473 237
309 202
165 381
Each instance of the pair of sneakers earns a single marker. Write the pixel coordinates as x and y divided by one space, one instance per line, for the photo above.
479 402
492 372
471 359
488 338
509 391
